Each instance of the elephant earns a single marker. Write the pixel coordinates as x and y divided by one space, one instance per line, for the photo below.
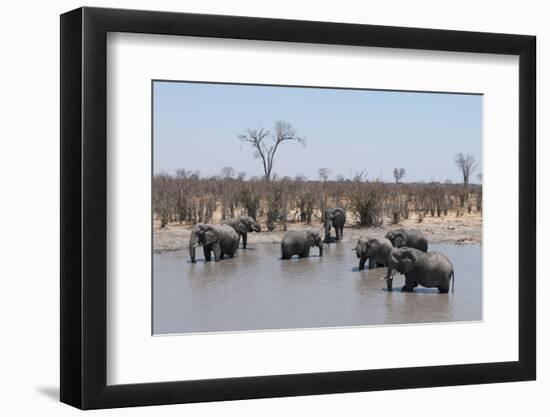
429 269
334 217
220 239
411 238
298 242
373 249
243 225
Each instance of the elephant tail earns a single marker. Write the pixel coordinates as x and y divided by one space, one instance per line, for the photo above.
453 278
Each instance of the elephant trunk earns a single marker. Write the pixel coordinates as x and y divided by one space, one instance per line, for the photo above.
392 266
193 243
328 226
320 249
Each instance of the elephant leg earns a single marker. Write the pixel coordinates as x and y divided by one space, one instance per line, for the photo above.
305 254
372 263
207 256
341 232
362 263
444 287
409 285
217 252
284 254
245 237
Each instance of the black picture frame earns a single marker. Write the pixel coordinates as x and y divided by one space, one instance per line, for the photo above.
84 207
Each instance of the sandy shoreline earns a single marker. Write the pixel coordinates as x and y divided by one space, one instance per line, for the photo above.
466 229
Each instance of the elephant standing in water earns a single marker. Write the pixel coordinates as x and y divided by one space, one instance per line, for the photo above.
220 239
334 217
411 238
376 251
243 225
298 242
429 269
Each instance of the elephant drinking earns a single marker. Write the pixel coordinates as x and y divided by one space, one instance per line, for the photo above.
299 242
412 238
376 251
220 239
243 225
429 269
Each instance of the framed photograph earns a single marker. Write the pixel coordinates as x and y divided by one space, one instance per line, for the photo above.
257 207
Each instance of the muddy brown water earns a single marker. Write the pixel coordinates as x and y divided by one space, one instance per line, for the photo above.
258 291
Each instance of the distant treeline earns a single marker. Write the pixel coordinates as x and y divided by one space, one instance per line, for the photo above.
186 198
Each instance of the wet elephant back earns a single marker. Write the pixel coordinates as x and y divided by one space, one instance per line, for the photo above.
228 238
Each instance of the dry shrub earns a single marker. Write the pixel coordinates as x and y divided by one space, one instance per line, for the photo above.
366 202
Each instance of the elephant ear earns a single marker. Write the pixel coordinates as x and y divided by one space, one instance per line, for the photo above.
405 266
400 240
210 235
372 245
313 237
407 262
242 227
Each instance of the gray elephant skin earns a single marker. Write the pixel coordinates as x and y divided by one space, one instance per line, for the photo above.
429 269
411 238
299 242
334 217
243 225
220 239
375 250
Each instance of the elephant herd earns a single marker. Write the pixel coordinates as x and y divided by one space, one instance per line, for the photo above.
223 239
402 250
406 251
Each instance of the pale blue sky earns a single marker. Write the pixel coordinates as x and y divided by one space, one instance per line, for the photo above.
196 127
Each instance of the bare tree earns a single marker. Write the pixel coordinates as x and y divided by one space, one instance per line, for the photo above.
466 164
360 176
257 138
182 173
398 173
324 173
228 172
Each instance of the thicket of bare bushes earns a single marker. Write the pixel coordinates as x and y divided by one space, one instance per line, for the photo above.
186 198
